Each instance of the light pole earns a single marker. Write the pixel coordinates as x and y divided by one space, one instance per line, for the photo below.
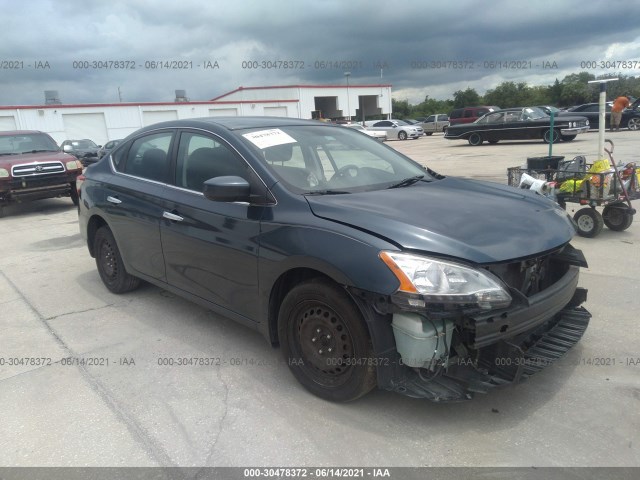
348 74
603 115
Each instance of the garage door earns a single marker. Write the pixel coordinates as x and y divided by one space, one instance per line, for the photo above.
85 125
223 112
275 111
155 116
8 123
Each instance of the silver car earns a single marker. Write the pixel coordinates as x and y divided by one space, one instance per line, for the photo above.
380 136
435 123
395 129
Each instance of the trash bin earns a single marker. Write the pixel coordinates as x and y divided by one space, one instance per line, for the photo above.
544 163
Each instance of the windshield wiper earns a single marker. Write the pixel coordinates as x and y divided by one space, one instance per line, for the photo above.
407 181
38 151
327 192
9 153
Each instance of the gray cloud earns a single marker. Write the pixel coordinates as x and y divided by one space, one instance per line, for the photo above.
367 34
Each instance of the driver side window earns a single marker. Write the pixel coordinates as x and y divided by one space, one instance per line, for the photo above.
202 157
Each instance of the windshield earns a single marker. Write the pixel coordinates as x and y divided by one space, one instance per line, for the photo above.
83 144
26 143
322 160
533 113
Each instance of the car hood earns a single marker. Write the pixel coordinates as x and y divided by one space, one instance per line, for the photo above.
476 221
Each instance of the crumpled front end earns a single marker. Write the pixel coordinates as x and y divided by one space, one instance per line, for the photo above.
448 353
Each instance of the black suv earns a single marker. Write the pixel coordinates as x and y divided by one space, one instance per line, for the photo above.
365 267
84 150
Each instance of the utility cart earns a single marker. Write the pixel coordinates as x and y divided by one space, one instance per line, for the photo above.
598 184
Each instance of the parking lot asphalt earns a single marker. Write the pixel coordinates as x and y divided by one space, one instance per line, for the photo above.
98 389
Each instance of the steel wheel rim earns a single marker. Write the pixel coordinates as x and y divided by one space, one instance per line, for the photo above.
108 260
586 223
325 343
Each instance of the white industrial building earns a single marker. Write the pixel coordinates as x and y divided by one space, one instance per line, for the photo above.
104 122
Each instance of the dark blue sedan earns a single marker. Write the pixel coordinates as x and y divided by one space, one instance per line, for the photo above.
363 266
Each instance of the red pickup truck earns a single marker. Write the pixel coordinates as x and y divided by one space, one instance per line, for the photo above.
33 167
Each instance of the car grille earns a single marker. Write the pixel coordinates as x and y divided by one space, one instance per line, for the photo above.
531 276
36 169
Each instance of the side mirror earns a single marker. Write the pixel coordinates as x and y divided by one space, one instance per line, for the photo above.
67 148
227 189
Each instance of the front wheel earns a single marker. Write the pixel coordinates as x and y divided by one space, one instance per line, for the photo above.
589 222
110 264
402 135
634 123
546 137
617 218
325 341
475 139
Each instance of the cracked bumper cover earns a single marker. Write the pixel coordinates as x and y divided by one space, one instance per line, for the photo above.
511 345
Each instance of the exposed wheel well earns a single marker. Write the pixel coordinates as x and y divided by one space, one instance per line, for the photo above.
93 225
280 289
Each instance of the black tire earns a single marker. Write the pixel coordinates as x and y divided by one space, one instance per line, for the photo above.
617 218
493 142
428 133
546 136
567 138
589 222
74 194
110 265
475 139
634 123
402 135
326 342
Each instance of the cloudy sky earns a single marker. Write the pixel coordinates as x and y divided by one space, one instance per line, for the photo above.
211 47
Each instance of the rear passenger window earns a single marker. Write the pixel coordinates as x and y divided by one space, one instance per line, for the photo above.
148 157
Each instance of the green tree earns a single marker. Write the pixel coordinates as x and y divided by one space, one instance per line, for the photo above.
400 108
466 98
576 90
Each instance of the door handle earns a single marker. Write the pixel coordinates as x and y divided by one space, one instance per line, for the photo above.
113 200
172 216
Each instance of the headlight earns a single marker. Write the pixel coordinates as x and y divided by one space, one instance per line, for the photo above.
438 281
73 164
4 173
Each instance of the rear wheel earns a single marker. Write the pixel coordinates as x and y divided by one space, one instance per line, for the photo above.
475 139
110 264
567 138
617 218
634 123
402 135
429 133
589 222
326 342
547 136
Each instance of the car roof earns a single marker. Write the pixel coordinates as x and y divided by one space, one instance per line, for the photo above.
235 123
18 132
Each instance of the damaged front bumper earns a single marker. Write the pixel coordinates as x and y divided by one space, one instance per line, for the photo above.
472 352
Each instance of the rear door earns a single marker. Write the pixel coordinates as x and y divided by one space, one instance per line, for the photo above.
133 201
